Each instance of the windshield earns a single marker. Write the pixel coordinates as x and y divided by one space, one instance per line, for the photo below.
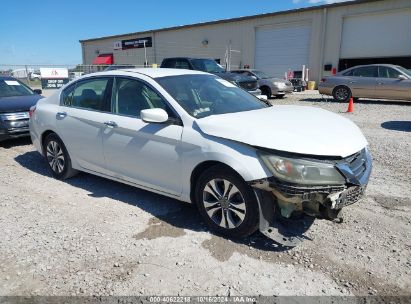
207 65
11 87
405 71
260 74
205 95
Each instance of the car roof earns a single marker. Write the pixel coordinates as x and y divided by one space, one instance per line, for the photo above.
375 64
248 70
189 58
151 72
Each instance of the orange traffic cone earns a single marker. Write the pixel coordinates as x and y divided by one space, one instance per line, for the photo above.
350 106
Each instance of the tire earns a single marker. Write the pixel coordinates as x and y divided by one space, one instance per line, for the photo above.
57 157
235 214
342 94
266 91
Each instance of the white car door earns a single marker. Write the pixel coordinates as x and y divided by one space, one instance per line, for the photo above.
148 154
85 106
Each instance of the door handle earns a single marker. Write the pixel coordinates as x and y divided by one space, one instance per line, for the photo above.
61 114
381 83
352 81
110 124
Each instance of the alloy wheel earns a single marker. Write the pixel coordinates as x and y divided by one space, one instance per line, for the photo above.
224 203
55 156
341 94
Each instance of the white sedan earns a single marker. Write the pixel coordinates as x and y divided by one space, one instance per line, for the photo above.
198 138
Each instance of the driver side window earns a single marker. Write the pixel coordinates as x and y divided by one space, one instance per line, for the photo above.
131 96
386 72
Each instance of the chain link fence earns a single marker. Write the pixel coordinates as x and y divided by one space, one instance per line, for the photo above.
30 74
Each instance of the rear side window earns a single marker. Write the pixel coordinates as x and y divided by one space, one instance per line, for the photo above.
348 73
370 71
92 94
182 64
386 72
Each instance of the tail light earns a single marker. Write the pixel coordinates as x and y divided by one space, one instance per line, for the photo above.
31 112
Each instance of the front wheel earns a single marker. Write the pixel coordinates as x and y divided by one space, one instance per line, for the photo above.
227 204
57 157
266 91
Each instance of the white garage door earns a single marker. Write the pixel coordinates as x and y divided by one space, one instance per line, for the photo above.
377 35
281 48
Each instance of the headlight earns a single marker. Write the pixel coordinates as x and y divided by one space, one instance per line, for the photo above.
302 171
279 84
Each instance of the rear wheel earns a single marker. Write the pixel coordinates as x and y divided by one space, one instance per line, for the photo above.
342 94
57 157
225 201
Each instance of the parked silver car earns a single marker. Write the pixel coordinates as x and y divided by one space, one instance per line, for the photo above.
269 86
369 81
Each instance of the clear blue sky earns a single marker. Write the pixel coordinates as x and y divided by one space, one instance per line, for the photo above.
48 31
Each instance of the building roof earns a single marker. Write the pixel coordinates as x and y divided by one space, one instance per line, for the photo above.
298 10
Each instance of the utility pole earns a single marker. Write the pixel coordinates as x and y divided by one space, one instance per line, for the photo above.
229 56
145 54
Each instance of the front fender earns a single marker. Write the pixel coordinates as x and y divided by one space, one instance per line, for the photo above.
240 157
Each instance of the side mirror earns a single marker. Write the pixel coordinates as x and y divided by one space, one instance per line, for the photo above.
254 77
402 77
155 115
38 91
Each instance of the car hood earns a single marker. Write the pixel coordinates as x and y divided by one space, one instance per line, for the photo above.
296 129
18 103
235 77
276 80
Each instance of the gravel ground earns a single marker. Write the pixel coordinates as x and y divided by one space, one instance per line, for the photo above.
91 236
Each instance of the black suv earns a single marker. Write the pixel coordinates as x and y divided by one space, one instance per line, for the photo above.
210 66
15 101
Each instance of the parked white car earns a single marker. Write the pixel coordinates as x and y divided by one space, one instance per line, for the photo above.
35 75
198 138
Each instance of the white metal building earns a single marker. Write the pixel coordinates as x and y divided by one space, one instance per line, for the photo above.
322 38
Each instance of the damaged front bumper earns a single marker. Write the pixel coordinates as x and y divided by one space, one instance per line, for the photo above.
287 210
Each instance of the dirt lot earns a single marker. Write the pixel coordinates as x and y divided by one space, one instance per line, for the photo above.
92 236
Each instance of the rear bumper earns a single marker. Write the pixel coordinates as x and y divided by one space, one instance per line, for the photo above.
325 90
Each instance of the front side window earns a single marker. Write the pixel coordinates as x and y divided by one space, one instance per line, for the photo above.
404 71
67 96
91 94
205 95
131 96
370 71
260 74
386 72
